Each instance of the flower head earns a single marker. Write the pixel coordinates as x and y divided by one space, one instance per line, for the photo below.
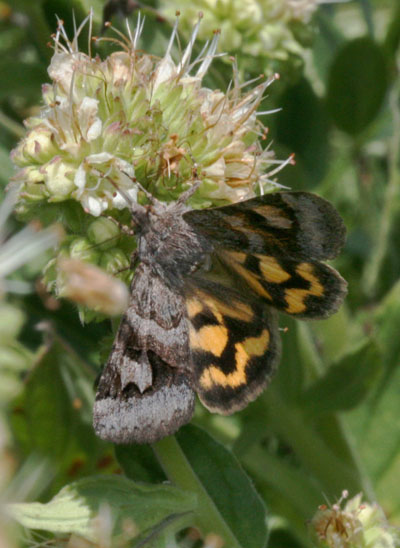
273 30
355 525
107 125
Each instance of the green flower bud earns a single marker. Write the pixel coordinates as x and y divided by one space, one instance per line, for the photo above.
37 147
34 189
58 177
83 249
104 233
115 261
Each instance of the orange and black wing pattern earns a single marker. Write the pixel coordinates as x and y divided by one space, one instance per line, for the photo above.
234 346
271 249
273 246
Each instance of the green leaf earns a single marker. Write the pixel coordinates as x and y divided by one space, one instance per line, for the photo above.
134 508
375 423
387 319
21 79
303 127
346 383
228 504
6 167
53 415
227 484
139 463
357 85
49 404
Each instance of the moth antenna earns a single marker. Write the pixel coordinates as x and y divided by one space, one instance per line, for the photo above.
137 210
184 197
148 194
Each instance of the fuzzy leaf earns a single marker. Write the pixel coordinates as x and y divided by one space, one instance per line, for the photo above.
134 508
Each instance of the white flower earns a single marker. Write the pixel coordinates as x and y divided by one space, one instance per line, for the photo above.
133 115
108 125
355 525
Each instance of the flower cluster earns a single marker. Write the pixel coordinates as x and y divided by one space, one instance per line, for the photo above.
356 525
276 30
107 125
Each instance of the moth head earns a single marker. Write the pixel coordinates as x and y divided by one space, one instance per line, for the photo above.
141 214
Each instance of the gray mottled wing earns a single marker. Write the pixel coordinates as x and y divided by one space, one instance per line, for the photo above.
292 224
144 392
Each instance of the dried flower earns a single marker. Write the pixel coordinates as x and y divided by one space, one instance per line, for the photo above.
356 525
90 286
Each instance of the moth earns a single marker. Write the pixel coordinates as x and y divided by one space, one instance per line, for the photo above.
202 313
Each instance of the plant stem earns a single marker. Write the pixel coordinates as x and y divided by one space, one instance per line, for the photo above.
302 492
10 125
314 453
391 199
179 471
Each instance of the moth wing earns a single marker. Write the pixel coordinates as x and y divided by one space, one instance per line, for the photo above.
140 399
272 245
307 289
296 224
234 346
145 392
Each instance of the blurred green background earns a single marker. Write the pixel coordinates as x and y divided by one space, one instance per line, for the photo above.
331 419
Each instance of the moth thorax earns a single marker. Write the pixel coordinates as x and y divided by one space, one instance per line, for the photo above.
170 244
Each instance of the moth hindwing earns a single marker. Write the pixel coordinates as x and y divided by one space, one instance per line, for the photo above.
201 316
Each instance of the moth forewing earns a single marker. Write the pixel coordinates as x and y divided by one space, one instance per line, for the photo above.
145 390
